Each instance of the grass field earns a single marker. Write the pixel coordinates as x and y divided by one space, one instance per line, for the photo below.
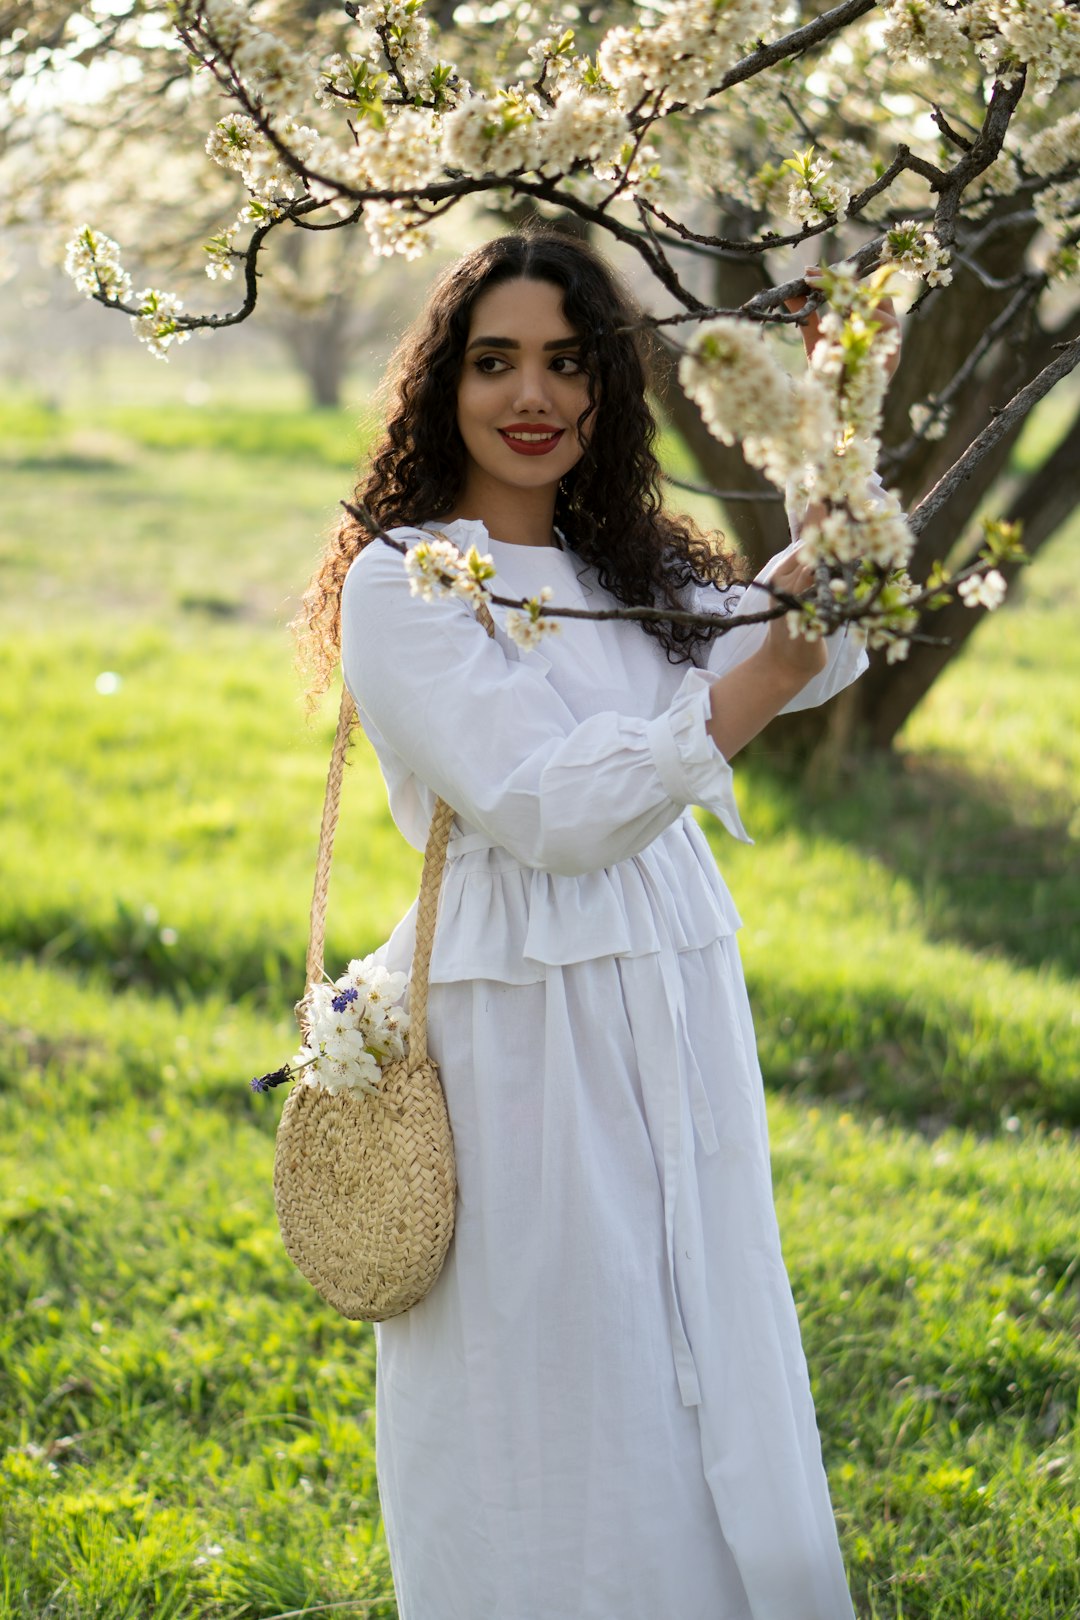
185 1430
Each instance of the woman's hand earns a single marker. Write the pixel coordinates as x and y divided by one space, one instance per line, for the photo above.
810 329
794 655
743 701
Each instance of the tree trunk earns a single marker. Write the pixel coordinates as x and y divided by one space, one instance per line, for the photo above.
318 344
1047 499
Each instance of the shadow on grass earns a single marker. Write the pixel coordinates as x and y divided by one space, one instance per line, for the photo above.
67 461
985 877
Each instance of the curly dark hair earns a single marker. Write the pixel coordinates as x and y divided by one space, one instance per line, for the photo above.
608 507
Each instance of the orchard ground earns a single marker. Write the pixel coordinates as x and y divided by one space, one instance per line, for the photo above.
185 1430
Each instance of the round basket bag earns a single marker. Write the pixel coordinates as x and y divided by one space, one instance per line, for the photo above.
364 1182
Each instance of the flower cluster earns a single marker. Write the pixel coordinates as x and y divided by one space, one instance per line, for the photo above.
156 324
817 437
559 67
222 254
813 195
582 126
1043 34
983 590
925 31
500 135
529 628
929 420
238 143
405 34
352 79
742 392
1054 149
682 57
438 568
914 250
1002 34
93 263
352 1028
269 68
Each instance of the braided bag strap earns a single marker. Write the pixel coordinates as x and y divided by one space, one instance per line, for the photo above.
442 821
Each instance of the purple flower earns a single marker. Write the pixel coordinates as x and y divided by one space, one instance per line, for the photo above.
276 1077
340 1002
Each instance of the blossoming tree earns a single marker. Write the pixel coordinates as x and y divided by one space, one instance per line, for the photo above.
933 140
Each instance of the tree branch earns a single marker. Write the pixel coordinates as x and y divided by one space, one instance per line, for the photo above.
1008 417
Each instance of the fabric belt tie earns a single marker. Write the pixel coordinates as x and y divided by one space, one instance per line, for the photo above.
662 1056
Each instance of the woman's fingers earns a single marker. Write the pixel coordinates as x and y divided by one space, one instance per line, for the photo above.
793 575
810 329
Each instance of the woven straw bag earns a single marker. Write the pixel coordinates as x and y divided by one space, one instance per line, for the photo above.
365 1185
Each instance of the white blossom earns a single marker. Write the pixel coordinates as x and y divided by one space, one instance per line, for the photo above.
237 143
983 590
684 55
925 31
929 421
581 127
93 263
407 36
812 194
403 155
528 629
223 21
1055 148
353 1028
914 250
742 391
438 568
394 227
221 251
272 70
496 136
1043 34
1057 207
156 324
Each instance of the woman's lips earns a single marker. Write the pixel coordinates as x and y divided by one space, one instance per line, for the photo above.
531 441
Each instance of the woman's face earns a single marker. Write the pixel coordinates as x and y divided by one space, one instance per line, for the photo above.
522 387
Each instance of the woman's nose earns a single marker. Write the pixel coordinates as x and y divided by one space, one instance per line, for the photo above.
532 392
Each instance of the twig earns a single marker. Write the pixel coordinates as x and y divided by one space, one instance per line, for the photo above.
723 494
793 44
785 600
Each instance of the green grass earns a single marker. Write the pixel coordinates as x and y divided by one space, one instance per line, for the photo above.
185 1430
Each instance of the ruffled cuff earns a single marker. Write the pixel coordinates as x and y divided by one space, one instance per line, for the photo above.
691 768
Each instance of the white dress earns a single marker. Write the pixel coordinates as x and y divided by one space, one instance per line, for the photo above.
602 1410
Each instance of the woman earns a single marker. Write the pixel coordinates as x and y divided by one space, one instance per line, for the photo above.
601 1411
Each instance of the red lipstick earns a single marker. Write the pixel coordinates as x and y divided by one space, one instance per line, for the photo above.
540 441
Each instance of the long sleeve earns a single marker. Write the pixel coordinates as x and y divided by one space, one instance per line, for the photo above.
489 733
847 657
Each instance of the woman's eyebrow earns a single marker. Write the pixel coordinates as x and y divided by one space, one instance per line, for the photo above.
512 343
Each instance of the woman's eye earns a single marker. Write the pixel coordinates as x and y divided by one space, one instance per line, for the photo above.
570 365
490 364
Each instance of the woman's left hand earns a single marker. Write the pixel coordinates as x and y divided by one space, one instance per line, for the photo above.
810 329
794 654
